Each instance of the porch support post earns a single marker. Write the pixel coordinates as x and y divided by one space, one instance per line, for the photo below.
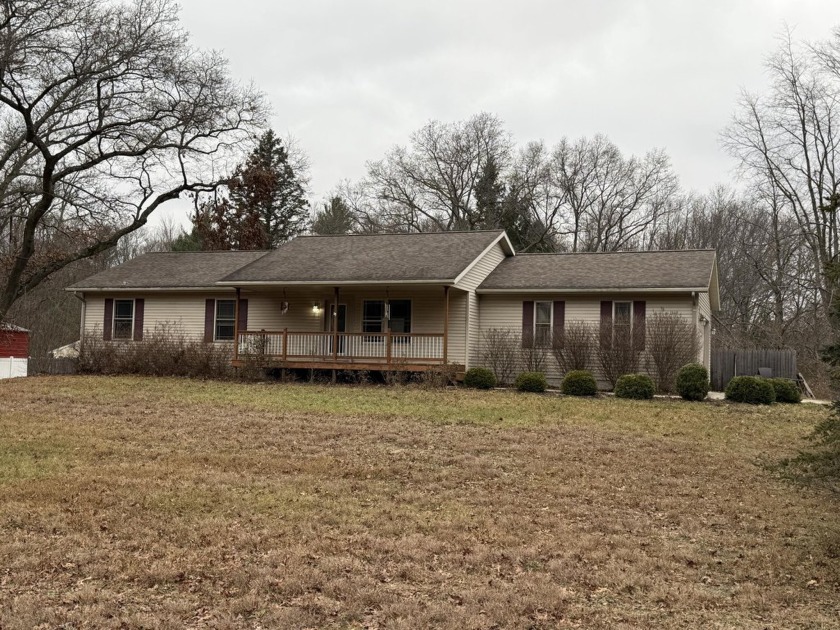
236 325
335 327
445 325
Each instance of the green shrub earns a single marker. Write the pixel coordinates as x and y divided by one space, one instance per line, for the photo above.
693 381
751 389
635 386
579 383
531 382
480 378
786 390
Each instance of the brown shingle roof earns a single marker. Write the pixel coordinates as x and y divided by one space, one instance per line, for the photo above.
170 270
369 258
686 269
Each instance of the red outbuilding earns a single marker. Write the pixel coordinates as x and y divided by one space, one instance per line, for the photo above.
14 351
14 342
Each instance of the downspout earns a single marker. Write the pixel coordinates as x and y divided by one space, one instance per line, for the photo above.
695 301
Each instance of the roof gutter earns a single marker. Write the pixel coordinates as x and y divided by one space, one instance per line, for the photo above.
595 290
326 283
143 289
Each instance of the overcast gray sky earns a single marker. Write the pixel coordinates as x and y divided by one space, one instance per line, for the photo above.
350 79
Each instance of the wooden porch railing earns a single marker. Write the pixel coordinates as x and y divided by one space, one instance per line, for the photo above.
385 348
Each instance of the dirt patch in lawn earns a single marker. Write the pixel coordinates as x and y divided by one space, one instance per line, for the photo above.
169 503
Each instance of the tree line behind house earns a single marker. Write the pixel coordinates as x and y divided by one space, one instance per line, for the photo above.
111 113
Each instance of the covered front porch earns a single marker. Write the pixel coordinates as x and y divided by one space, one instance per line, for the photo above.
368 327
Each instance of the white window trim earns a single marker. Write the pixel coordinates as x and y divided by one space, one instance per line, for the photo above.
630 302
362 319
614 318
550 319
114 320
216 320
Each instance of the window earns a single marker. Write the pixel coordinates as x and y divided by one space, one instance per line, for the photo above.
542 323
400 321
123 319
225 320
374 314
622 318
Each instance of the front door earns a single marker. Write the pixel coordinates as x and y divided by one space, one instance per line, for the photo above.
341 327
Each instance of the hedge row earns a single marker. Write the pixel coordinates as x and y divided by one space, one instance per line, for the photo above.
692 384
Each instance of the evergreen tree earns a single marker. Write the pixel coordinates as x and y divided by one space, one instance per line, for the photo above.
267 187
187 242
221 225
335 217
489 193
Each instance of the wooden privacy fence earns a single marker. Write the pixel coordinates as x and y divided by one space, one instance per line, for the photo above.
729 363
50 365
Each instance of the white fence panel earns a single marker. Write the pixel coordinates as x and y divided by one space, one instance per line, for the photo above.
13 368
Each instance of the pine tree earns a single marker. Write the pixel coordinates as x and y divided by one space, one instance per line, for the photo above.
221 225
335 217
267 187
489 193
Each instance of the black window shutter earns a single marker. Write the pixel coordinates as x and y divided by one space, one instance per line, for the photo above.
639 327
139 312
606 322
209 319
559 322
527 323
108 323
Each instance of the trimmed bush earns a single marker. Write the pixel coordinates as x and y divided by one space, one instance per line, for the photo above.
751 389
635 386
579 383
531 382
786 391
480 378
693 381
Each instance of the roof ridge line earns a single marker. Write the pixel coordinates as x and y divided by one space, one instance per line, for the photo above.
623 251
497 231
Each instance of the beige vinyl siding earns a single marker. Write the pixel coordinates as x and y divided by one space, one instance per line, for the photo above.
473 330
468 348
482 268
704 329
457 350
181 312
264 308
184 311
94 313
505 311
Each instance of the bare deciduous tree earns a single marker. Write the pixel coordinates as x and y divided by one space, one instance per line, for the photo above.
575 348
107 112
617 350
672 342
500 352
610 202
430 185
533 355
787 142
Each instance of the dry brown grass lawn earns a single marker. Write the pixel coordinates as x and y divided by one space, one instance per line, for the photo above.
129 502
